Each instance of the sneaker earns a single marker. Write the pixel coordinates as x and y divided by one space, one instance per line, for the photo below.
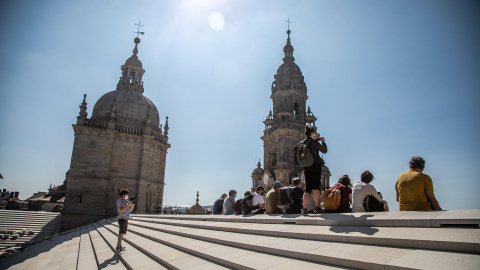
304 212
317 210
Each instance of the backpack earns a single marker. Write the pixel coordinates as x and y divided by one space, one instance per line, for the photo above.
371 204
304 156
247 206
285 198
331 198
238 207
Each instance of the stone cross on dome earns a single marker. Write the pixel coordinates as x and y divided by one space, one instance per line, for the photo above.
288 49
138 29
288 23
137 40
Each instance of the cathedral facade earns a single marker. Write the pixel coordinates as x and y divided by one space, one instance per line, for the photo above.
285 126
122 145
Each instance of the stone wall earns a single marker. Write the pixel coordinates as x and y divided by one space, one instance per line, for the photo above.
105 161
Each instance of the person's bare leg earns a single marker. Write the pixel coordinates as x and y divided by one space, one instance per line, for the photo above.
316 197
119 242
306 198
385 206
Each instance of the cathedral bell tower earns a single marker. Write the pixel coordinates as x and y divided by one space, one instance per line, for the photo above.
122 145
285 124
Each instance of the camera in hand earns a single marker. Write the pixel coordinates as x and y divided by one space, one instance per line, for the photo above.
132 200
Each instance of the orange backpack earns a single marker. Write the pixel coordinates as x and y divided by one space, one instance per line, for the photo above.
331 198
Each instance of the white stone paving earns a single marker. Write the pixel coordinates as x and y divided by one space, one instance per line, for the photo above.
396 240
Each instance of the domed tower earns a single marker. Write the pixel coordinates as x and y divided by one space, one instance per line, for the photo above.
285 124
123 145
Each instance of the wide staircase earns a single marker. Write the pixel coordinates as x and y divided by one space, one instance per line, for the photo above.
396 240
21 228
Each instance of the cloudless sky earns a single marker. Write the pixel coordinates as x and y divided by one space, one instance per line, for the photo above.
387 80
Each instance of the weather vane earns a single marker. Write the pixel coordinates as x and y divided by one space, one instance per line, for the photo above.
288 23
138 29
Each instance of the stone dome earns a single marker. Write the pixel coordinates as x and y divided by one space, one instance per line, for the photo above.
289 73
288 68
132 109
258 171
133 60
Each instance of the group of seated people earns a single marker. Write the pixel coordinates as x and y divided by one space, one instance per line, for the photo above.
414 192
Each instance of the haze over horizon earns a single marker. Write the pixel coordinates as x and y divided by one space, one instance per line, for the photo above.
387 80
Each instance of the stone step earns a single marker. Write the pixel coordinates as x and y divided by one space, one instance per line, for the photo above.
134 258
168 256
31 220
448 239
105 255
425 219
362 256
228 256
27 213
86 254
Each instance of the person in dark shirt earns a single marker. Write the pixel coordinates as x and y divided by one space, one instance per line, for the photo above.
297 197
313 174
345 195
218 205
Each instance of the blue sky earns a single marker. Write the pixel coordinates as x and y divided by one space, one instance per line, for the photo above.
386 79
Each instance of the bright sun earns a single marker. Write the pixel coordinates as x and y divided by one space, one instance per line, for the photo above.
216 21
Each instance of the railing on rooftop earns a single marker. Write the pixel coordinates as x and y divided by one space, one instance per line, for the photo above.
95 124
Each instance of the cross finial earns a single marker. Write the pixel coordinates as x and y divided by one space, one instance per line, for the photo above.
138 29
288 23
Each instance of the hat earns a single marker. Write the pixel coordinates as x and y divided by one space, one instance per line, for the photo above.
277 184
260 188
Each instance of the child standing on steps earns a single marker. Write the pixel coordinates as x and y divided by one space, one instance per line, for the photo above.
124 207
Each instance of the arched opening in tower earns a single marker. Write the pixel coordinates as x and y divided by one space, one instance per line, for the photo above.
132 77
295 156
295 108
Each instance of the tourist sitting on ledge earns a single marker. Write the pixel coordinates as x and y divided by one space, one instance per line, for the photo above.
257 201
218 205
345 195
229 203
297 197
414 189
271 199
362 190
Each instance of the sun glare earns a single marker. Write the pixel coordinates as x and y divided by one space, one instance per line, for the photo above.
216 21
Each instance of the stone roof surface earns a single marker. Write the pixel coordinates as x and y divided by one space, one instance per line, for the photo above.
132 108
133 60
20 228
394 240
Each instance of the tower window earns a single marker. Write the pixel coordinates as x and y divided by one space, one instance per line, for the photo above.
295 108
132 77
295 156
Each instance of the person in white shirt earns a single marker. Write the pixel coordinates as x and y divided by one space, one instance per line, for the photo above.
258 202
362 189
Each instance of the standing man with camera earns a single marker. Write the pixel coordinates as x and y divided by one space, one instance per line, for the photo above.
124 207
313 173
